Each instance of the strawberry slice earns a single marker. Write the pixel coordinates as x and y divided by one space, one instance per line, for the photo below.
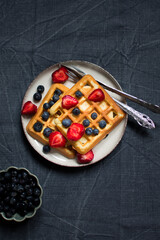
59 76
56 139
85 158
69 102
97 95
29 108
75 131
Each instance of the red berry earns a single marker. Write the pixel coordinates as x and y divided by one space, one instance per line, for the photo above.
85 158
60 75
97 95
75 131
29 108
56 139
69 102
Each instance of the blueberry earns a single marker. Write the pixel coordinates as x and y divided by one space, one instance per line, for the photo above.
40 89
94 115
51 103
37 192
20 188
1 191
8 214
30 198
37 96
7 176
36 202
58 92
78 94
22 195
47 131
76 111
86 123
88 131
14 194
55 98
29 191
95 131
45 115
38 126
46 148
15 180
13 201
30 206
46 106
102 124
24 175
1 207
66 122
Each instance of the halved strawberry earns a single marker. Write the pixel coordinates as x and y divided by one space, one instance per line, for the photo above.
60 76
97 95
85 158
56 139
29 108
69 102
75 131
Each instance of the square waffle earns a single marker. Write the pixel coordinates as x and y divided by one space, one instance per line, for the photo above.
67 150
106 110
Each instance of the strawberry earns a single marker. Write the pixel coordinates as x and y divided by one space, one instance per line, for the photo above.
59 76
97 95
85 158
29 108
56 139
69 102
75 131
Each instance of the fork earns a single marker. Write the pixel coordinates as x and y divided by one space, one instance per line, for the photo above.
143 120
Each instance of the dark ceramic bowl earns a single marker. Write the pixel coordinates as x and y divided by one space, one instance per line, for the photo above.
29 214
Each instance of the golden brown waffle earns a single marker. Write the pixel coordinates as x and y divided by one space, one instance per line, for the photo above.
67 150
106 110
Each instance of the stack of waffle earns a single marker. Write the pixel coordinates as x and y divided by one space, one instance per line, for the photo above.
106 110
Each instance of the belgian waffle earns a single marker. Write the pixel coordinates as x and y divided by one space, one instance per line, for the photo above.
106 110
67 150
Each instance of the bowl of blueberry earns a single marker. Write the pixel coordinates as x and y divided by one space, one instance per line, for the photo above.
20 194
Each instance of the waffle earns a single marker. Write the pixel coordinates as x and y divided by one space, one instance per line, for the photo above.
67 150
106 110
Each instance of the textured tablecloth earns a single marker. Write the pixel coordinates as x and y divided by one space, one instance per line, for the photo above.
119 197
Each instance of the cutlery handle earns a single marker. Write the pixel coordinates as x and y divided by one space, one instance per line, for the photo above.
150 106
142 119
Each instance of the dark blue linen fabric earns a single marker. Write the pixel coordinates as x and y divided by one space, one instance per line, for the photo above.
117 198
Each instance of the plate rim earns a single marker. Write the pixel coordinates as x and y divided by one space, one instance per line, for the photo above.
69 62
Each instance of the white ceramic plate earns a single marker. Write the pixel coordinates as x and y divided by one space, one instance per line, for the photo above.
102 149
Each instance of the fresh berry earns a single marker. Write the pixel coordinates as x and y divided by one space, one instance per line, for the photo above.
56 139
66 122
86 123
95 131
58 92
46 106
51 103
46 148
38 126
45 115
78 94
69 102
97 95
47 131
40 89
60 75
37 96
102 124
37 192
85 158
88 131
76 111
94 115
75 131
55 98
29 108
